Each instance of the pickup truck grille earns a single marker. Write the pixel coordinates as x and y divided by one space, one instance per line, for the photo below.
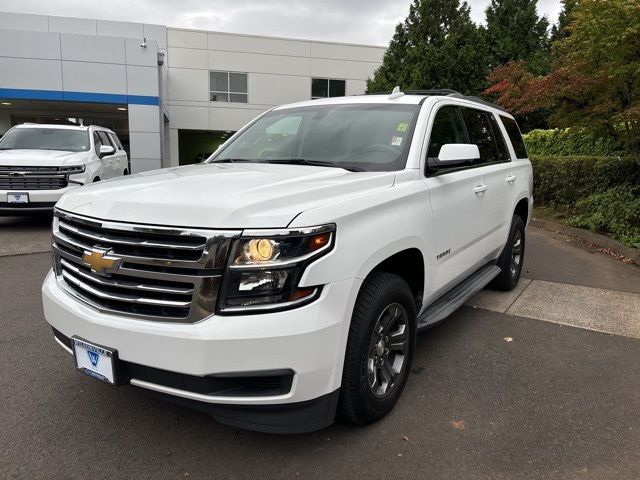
155 273
32 178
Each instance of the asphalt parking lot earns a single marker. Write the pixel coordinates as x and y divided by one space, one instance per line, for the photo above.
507 388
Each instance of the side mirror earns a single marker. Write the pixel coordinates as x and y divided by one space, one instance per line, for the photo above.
458 153
106 150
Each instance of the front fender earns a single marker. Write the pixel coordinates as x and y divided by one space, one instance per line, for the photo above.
369 229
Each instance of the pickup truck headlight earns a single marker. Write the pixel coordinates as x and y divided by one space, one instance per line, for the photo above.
74 170
265 268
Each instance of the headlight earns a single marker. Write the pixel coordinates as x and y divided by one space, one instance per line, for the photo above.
265 268
74 170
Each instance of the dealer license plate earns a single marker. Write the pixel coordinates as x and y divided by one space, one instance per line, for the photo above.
17 197
94 360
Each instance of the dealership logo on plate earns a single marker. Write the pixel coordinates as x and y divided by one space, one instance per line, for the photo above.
93 356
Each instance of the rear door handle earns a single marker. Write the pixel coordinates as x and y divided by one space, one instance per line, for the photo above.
480 189
510 178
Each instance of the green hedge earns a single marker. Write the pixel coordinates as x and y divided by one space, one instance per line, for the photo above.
616 212
562 181
567 142
598 193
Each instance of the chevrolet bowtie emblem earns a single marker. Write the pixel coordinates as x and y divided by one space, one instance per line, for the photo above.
100 261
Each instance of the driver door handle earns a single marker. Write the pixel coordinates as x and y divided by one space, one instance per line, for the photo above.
480 189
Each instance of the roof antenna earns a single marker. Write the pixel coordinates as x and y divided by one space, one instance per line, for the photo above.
396 93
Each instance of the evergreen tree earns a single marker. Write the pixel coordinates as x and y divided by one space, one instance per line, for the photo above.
515 32
437 46
559 31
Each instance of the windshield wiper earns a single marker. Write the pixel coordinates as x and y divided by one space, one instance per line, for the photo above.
314 163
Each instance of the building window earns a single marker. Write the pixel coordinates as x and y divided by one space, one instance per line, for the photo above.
327 87
228 87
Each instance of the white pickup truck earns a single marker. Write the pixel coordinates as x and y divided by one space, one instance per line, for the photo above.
285 279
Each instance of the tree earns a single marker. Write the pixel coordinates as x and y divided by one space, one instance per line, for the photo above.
515 32
595 82
437 46
559 30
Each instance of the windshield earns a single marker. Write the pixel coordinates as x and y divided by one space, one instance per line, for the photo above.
46 139
359 137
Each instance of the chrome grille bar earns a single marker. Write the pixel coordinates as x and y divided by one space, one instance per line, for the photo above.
109 282
165 273
119 297
32 178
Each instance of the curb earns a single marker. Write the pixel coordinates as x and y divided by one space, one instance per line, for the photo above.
610 245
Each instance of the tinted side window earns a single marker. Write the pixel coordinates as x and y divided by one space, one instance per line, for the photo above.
481 133
115 141
98 142
515 136
502 145
105 138
447 128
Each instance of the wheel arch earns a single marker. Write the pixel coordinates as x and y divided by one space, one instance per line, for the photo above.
409 264
522 210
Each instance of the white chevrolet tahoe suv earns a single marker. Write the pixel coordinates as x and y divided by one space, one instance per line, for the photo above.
285 278
39 163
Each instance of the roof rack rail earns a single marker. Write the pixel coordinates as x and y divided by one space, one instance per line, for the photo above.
446 92
479 100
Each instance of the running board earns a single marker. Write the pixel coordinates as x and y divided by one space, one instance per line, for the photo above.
454 298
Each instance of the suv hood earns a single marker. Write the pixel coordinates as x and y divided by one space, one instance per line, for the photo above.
226 195
40 158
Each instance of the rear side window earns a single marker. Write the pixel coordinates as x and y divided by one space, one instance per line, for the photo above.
502 146
482 134
447 128
515 136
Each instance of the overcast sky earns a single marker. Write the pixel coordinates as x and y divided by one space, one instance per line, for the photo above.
354 21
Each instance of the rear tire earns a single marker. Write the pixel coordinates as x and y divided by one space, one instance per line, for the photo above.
379 348
511 258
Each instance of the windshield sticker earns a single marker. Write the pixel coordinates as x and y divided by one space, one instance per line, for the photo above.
396 141
402 127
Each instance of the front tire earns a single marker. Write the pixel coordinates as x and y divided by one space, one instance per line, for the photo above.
512 257
379 348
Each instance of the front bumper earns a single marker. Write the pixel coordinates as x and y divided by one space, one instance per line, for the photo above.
39 200
309 341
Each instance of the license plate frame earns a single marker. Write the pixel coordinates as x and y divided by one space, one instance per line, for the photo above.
19 198
90 358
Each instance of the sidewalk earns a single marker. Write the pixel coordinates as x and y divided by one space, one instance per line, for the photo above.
564 282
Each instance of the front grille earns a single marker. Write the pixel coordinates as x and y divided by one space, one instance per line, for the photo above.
32 178
162 273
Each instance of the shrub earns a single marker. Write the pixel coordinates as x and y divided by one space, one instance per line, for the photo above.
615 211
567 142
598 193
560 182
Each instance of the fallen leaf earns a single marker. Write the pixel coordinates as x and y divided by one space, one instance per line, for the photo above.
508 339
405 438
458 424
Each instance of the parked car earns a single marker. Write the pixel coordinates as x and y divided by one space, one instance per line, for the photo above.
39 163
286 277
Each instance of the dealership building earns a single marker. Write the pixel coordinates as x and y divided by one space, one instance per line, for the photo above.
171 94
